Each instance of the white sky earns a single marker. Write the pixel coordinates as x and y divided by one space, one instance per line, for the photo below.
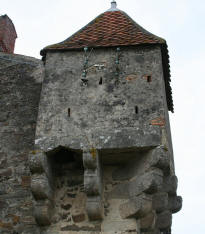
181 22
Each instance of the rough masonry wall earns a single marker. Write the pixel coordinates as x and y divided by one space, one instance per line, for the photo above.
129 105
20 87
118 120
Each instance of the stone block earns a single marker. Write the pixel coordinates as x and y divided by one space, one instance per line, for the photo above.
37 162
43 213
94 208
120 191
26 181
6 225
3 204
170 184
90 159
150 182
78 208
92 182
6 173
164 220
175 203
159 157
155 231
160 201
77 218
147 223
40 187
137 207
152 158
123 226
3 160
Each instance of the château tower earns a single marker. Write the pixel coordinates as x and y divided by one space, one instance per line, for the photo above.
86 143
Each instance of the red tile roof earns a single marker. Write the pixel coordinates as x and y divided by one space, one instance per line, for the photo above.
112 28
115 28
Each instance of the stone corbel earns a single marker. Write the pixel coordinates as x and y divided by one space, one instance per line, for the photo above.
93 184
41 187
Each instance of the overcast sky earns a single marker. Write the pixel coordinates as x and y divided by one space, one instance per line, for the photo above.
181 22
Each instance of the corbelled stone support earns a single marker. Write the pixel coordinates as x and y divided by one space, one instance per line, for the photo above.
41 187
150 182
93 184
43 212
137 207
148 222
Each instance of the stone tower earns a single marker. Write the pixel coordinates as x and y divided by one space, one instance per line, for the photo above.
103 128
7 35
85 136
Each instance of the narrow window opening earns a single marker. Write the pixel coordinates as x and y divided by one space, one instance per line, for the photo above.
100 82
136 110
149 79
68 112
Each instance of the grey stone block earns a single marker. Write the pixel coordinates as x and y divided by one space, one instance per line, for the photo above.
43 213
175 203
137 207
155 231
164 220
147 223
92 182
94 208
90 159
170 184
40 187
37 162
160 201
157 157
160 158
150 182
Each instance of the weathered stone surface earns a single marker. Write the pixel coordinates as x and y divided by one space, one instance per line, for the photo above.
170 184
123 127
20 87
157 157
125 226
175 203
150 182
155 231
78 208
94 208
92 183
147 223
160 201
80 229
164 220
90 159
77 218
121 119
40 187
43 213
37 162
6 173
137 207
26 181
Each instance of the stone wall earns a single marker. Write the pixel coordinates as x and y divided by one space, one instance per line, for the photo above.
127 99
110 105
101 160
20 87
